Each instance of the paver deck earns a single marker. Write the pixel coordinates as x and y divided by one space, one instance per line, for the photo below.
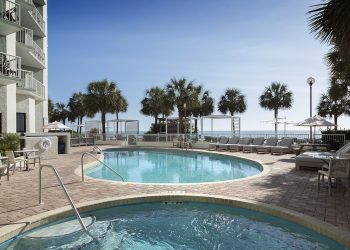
282 186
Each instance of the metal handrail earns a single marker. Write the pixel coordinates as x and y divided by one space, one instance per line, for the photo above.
67 196
82 165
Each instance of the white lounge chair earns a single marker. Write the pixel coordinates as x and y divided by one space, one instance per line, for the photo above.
239 146
251 147
283 147
3 169
266 148
222 140
233 140
320 159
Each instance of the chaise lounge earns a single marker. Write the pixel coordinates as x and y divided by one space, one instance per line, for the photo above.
283 147
239 146
252 147
266 148
222 140
318 160
233 140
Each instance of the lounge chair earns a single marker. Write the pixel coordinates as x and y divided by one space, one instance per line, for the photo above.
266 148
233 140
337 168
283 147
222 140
35 156
258 141
319 160
15 160
239 146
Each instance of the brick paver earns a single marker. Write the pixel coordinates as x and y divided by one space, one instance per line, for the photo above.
282 186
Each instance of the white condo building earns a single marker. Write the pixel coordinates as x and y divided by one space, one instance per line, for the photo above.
23 66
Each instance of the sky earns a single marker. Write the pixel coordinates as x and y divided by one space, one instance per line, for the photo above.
220 44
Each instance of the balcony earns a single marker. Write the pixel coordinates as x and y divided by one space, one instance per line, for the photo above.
10 14
30 52
31 86
32 18
10 69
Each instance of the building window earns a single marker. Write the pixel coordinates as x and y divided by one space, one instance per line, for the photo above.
21 122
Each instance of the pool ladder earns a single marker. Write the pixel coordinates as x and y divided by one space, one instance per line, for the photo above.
104 164
75 210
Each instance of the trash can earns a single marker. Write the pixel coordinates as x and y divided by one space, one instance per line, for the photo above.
61 148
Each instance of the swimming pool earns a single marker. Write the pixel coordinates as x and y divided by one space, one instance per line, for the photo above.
178 225
172 166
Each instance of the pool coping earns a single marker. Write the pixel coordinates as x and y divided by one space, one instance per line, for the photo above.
324 228
265 169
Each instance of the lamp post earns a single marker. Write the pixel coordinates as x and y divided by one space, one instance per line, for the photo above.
310 81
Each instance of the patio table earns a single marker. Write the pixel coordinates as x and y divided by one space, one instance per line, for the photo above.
26 153
8 166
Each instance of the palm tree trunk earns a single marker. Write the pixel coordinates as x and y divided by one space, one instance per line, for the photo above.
81 122
195 126
117 116
276 124
336 122
103 120
78 124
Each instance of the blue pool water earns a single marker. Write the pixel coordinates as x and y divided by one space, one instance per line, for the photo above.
172 166
182 226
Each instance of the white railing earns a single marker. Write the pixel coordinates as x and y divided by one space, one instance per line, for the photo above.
10 65
30 83
25 36
38 18
38 53
10 11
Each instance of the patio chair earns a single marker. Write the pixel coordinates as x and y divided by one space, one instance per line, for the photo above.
233 140
258 141
177 141
222 140
318 160
3 169
15 160
337 168
239 146
35 156
284 146
266 148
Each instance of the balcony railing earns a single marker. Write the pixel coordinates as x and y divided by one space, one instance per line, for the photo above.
10 11
25 36
38 18
30 83
10 65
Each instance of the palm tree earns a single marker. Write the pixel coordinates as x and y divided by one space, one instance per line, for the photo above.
334 103
233 101
99 99
339 69
182 93
51 110
120 104
275 97
330 22
156 103
61 113
77 108
204 105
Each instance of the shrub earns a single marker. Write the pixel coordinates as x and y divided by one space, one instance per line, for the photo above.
9 142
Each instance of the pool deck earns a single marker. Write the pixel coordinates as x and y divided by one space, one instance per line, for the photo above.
282 186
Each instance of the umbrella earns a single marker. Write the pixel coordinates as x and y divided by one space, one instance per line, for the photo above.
56 126
315 121
283 121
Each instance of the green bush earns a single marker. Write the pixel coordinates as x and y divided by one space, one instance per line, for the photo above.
9 142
